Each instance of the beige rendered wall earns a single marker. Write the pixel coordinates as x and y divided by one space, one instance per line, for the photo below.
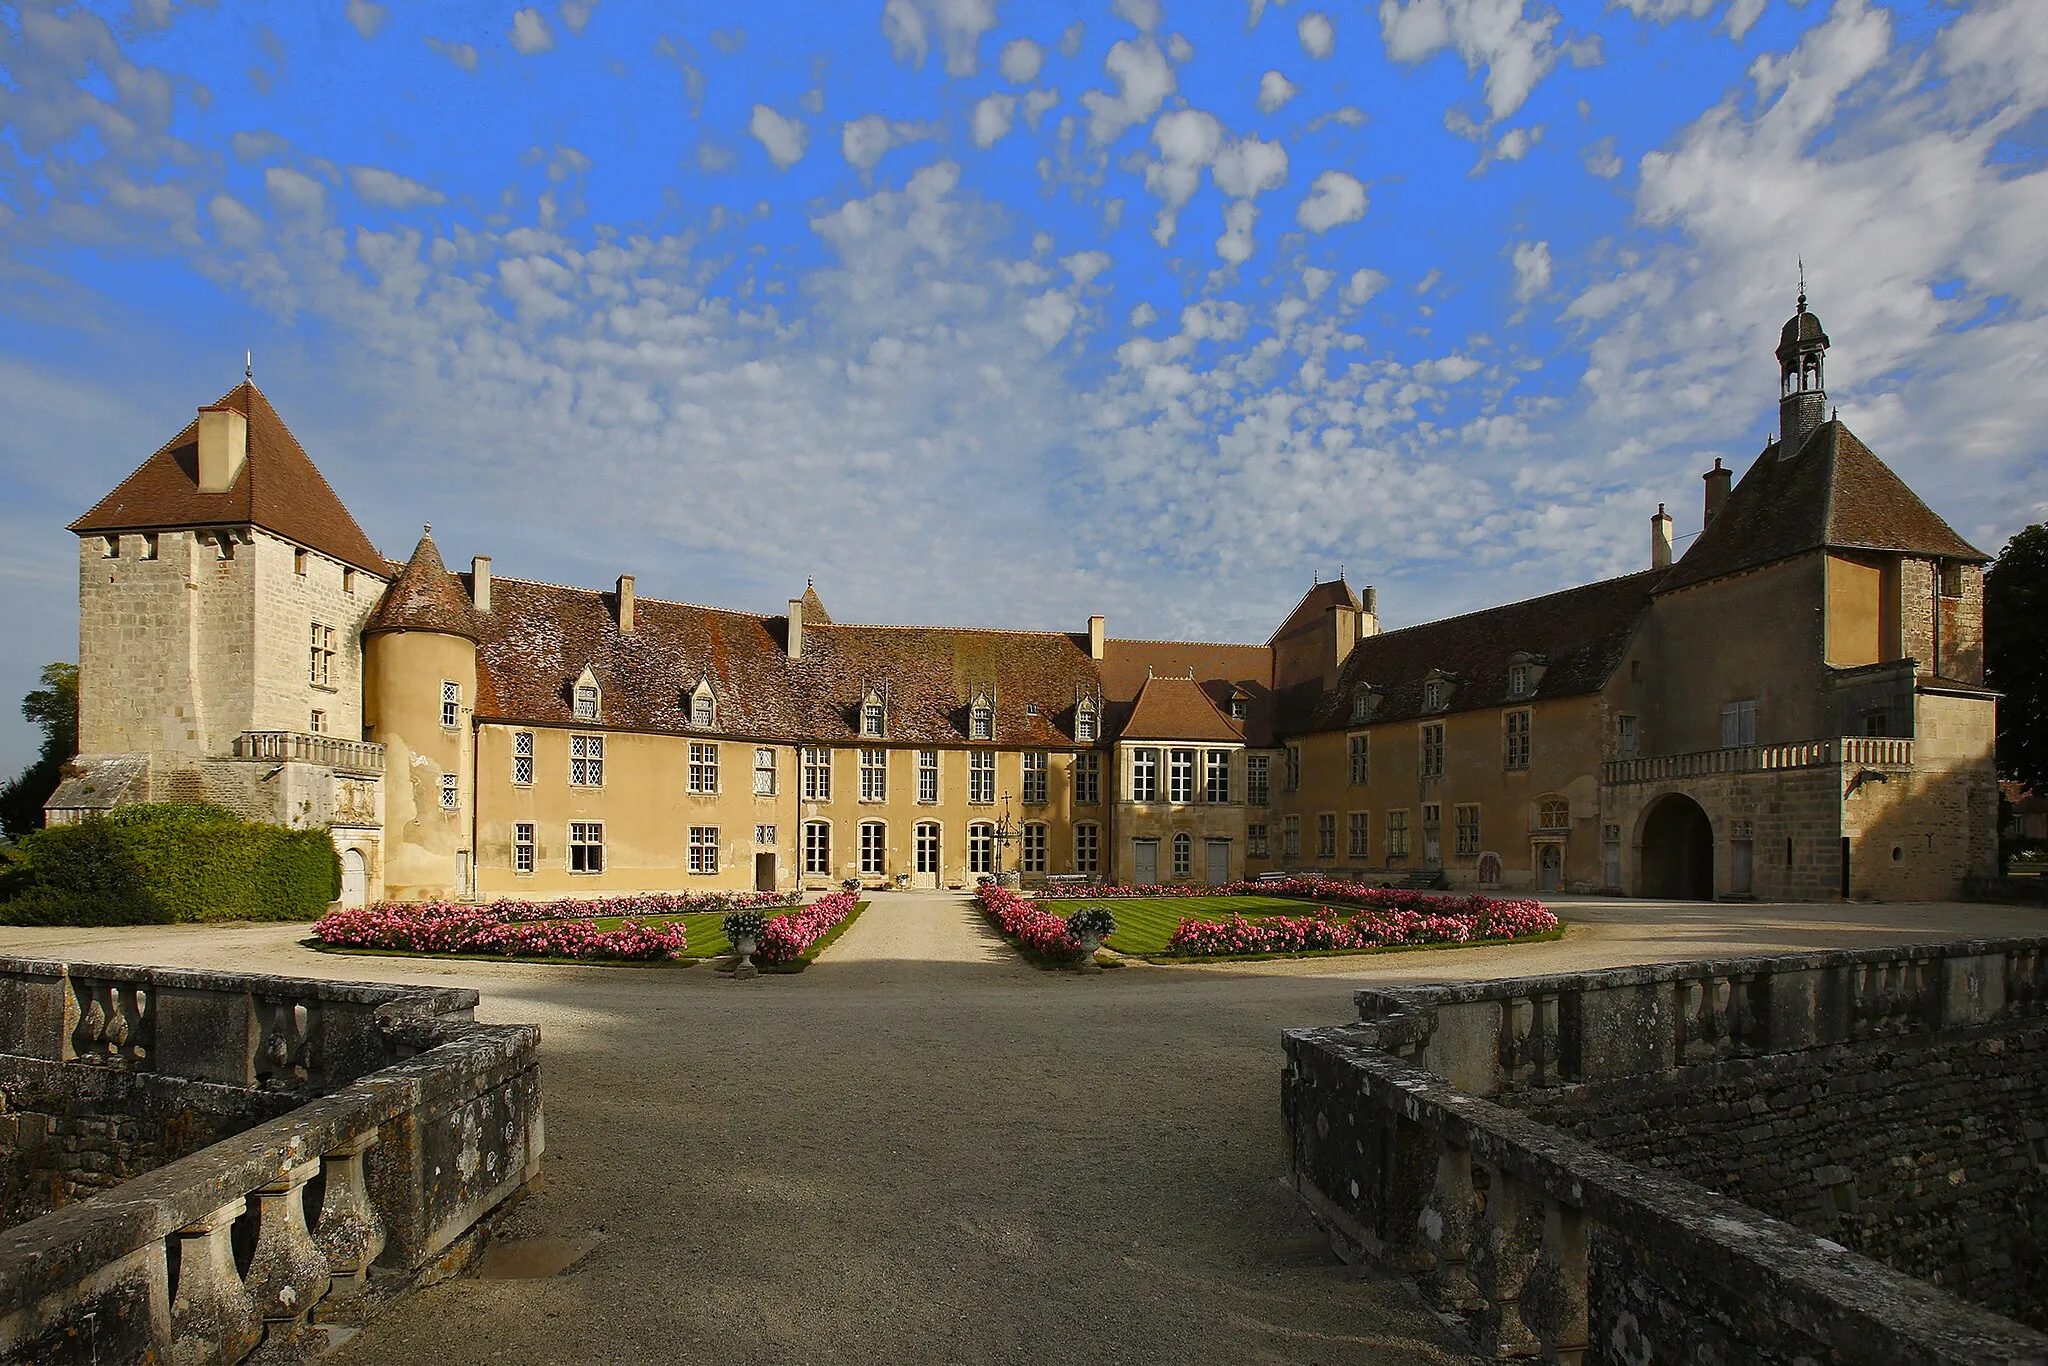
1162 820
1916 835
1759 635
1856 615
425 848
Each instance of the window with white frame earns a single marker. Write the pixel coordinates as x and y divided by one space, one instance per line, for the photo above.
586 761
874 848
818 847
1084 723
703 848
1518 680
320 657
1144 775
1361 760
1033 857
1326 834
1183 854
1180 775
981 847
1255 839
1087 847
873 720
1467 818
1361 705
817 775
927 776
1294 768
981 723
586 846
1216 776
522 847
1434 694
1397 834
981 777
764 771
451 705
703 767
1516 740
586 702
1035 785
874 775
1237 706
1258 779
1031 709
1361 839
1433 750
1553 813
317 722
704 710
451 792
1087 779
1738 723
764 836
522 758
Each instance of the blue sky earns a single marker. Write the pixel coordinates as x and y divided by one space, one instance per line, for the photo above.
987 313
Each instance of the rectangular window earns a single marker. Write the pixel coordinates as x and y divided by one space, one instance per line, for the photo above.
1216 776
1294 768
1084 725
703 712
348 576
981 848
522 758
1951 579
1361 840
981 777
1625 737
149 544
874 848
1433 750
586 846
1326 834
982 725
586 702
1468 830
522 847
1738 723
817 766
320 659
451 793
1087 779
1433 695
764 772
1255 839
1034 848
1432 832
1397 834
1258 782
586 761
764 836
703 768
872 719
1087 848
818 847
1290 837
1361 760
1517 751
317 723
703 848
874 775
110 547
451 705
299 562
1035 781
927 776
1518 680
1144 775
1180 775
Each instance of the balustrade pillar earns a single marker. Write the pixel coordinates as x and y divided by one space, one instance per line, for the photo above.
1446 1224
349 1235
212 1317
288 1274
1554 1301
1504 1251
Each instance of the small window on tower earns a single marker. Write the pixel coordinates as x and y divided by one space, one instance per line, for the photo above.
149 545
299 562
1951 579
110 547
318 723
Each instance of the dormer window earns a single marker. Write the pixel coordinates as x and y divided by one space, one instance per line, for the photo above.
703 706
586 699
1084 722
1236 706
1434 694
1031 709
1362 703
1518 680
981 718
874 716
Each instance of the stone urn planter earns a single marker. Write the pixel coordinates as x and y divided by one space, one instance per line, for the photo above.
1088 927
743 930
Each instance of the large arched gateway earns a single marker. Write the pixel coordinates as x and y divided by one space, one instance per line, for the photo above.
1678 850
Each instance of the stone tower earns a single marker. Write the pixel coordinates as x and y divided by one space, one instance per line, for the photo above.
1802 377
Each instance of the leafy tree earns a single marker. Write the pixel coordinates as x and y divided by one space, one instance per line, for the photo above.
2016 654
54 707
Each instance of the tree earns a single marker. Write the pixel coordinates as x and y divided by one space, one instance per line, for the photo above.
2016 654
54 707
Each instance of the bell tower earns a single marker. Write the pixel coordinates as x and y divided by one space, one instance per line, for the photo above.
1802 376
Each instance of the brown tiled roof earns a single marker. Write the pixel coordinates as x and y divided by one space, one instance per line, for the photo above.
1580 635
1831 493
278 489
1220 670
424 597
1308 613
814 608
1176 709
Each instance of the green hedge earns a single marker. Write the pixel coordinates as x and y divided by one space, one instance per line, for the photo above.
166 864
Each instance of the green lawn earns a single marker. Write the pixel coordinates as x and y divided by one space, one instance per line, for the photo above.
1144 924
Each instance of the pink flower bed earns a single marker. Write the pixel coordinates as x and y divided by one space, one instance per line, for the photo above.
1322 890
1458 920
785 937
637 905
451 927
1038 930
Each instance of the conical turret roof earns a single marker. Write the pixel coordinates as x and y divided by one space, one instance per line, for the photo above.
424 597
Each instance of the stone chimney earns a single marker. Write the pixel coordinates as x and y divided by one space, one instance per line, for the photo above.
1095 629
1660 539
1718 482
1369 615
223 448
1345 629
480 582
796 628
626 604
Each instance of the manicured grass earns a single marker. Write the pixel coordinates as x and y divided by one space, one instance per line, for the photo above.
1144 924
705 931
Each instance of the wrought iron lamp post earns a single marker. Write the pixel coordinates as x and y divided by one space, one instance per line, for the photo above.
1005 835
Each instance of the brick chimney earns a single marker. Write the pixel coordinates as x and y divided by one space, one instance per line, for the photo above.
223 448
626 604
796 628
1660 539
1095 630
1718 482
1369 615
480 582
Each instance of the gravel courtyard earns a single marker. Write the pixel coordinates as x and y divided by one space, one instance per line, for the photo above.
923 1150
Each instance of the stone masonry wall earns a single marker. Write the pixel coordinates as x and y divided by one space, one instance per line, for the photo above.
1930 1155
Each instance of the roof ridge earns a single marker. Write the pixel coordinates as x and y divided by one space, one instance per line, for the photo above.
638 597
1518 602
1212 644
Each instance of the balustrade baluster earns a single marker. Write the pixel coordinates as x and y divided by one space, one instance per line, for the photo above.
212 1316
288 1275
1446 1226
1504 1251
349 1235
1554 1303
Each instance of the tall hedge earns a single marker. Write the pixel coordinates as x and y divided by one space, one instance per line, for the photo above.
172 863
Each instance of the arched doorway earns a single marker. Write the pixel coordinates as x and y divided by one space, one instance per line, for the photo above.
354 878
1678 850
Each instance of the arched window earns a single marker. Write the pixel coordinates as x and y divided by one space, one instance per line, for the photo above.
1183 855
1553 813
981 848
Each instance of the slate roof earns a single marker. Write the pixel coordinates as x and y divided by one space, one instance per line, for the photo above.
278 489
1833 493
1581 634
1177 709
424 597
1219 669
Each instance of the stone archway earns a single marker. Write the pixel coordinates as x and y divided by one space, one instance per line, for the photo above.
1678 850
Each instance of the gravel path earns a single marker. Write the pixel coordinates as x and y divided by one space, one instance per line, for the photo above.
923 1150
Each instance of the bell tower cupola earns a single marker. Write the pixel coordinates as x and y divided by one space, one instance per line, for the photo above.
1802 376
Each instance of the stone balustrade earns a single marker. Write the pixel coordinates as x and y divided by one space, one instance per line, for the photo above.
288 746
417 1124
1859 751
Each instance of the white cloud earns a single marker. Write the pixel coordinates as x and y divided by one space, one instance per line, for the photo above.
1362 285
1084 266
1275 90
294 192
1601 159
1144 315
1037 103
576 14
903 26
1049 317
463 55
1144 14
862 141
713 158
366 15
1516 48
1334 199
1235 245
1021 61
1740 16
1315 281
1248 167
1532 269
1144 79
1179 48
530 33
390 190
1513 145
993 115
1187 140
909 25
783 138
1318 34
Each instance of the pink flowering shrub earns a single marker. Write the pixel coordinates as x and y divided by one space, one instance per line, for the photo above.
1039 931
638 904
451 927
1460 920
785 937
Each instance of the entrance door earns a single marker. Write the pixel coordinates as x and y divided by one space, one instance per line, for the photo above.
1549 865
1145 861
764 872
354 878
925 856
1678 851
1219 862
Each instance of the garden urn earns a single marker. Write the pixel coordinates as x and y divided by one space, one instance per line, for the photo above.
744 949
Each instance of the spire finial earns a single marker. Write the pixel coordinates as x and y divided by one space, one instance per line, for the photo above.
1340 573
427 529
1315 578
249 366
1802 284
807 582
